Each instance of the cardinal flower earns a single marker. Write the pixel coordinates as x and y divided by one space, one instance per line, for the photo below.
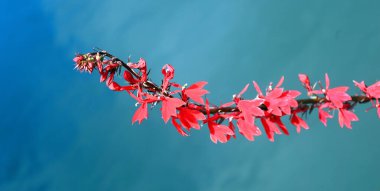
345 117
250 108
169 107
271 125
298 121
196 91
372 91
248 129
168 72
141 113
336 95
219 132
82 64
190 117
141 65
277 100
112 85
323 115
305 82
178 127
129 77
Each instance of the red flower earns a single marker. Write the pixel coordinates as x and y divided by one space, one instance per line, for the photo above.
250 108
141 65
178 127
219 132
168 72
323 115
277 100
169 107
196 91
141 113
78 59
189 117
248 129
112 85
305 82
186 107
298 122
129 78
336 95
372 91
83 65
232 127
345 117
271 125
237 98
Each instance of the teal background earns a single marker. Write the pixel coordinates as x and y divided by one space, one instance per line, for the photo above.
63 130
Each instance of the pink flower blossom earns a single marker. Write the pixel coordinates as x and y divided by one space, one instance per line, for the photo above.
298 121
277 100
345 117
323 115
336 95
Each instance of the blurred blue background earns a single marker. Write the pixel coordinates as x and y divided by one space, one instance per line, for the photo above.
63 130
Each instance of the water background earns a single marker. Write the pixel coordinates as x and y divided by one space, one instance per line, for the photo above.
62 130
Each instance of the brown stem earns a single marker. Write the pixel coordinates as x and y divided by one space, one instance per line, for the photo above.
148 84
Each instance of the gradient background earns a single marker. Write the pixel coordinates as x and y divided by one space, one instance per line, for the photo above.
62 130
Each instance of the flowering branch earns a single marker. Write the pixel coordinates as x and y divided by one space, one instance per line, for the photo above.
186 107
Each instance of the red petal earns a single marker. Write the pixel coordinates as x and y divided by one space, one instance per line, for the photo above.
257 87
275 93
248 129
189 117
114 86
219 132
323 115
168 72
345 118
178 127
129 78
280 82
196 91
232 127
103 76
243 91
374 90
305 81
169 107
298 122
140 114
271 125
327 81
250 108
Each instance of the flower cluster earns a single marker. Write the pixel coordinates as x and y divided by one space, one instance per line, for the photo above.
186 107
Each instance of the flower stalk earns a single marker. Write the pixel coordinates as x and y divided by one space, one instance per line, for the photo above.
186 106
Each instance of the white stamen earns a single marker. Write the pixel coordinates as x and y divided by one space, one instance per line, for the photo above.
184 86
314 85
